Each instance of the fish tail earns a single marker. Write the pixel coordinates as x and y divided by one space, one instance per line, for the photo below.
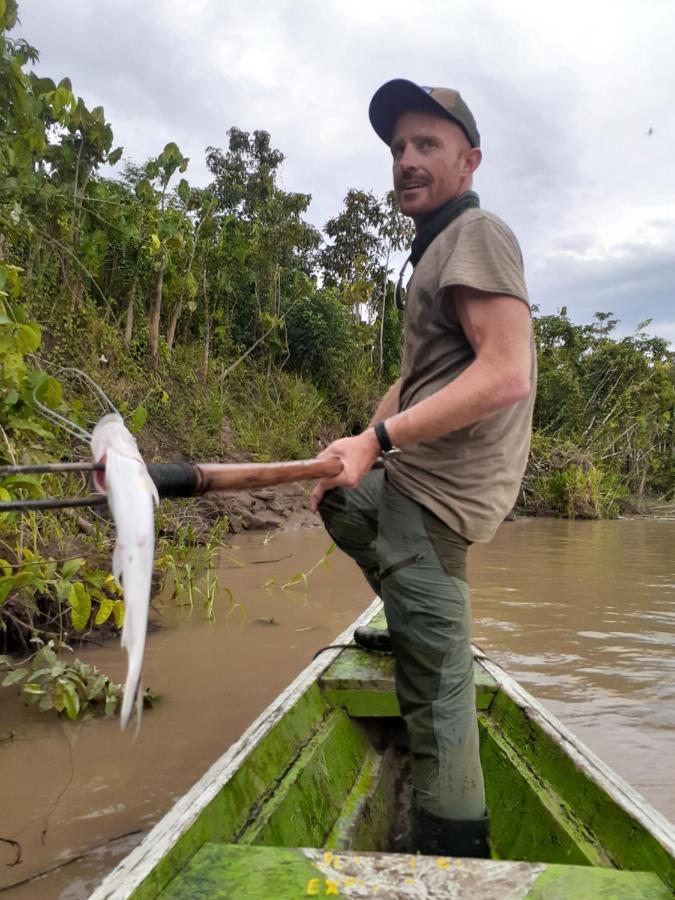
132 692
139 709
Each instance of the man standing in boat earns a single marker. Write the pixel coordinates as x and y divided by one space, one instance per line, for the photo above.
454 435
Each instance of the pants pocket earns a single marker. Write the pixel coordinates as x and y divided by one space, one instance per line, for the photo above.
401 564
450 547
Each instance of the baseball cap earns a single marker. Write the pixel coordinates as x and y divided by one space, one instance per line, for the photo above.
399 96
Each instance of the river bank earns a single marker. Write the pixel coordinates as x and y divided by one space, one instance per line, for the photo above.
287 506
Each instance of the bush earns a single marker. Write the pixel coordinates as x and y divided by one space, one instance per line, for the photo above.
563 480
276 415
320 334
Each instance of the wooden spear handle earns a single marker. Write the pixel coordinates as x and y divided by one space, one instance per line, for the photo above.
238 476
192 479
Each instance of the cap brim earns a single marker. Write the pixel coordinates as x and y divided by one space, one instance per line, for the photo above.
396 97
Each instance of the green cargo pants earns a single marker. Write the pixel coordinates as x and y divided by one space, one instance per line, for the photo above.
418 567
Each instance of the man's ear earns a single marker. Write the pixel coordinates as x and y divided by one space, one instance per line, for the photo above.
472 160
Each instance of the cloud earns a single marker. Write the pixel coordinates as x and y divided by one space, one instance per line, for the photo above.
634 280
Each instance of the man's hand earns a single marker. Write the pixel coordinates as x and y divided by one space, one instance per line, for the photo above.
357 455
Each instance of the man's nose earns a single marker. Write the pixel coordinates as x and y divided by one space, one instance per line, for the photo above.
406 159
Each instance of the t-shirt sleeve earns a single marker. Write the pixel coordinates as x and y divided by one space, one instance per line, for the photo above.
486 257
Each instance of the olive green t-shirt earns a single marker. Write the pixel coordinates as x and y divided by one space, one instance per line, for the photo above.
469 478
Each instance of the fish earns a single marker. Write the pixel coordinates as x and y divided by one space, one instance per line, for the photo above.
132 495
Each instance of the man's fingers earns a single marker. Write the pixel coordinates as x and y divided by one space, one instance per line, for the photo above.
325 484
322 486
317 496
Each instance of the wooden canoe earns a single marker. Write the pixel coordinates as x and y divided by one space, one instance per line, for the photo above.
310 801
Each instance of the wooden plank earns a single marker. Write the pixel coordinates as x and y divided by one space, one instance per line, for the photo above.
363 683
220 871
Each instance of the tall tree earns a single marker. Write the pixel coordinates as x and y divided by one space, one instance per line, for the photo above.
246 186
171 228
397 233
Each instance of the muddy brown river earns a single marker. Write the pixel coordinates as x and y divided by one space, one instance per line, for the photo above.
581 613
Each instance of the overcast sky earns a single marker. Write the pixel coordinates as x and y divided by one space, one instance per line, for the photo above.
575 103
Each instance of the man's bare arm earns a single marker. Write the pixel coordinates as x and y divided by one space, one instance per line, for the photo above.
388 405
499 330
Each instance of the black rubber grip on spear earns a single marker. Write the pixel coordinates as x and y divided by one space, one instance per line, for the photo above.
171 480
176 479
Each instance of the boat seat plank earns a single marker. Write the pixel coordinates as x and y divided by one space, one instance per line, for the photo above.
228 870
363 683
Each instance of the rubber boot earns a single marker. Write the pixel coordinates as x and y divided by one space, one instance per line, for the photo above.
376 639
452 837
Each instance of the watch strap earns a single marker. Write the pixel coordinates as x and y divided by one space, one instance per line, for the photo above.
383 438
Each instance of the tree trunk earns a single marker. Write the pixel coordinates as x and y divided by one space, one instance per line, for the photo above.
33 253
384 307
173 322
156 312
77 289
207 350
207 335
175 315
111 274
129 324
643 485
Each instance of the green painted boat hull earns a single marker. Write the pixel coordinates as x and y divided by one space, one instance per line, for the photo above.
314 798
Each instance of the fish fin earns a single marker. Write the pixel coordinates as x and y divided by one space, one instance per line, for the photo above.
117 563
153 490
136 712
150 484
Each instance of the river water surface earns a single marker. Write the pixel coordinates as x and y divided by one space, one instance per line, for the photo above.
581 613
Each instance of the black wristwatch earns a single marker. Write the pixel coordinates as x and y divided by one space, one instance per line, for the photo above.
383 439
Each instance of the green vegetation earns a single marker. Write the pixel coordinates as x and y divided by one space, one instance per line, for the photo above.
223 324
78 690
603 422
303 577
187 563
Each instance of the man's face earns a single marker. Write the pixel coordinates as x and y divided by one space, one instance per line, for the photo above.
433 162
